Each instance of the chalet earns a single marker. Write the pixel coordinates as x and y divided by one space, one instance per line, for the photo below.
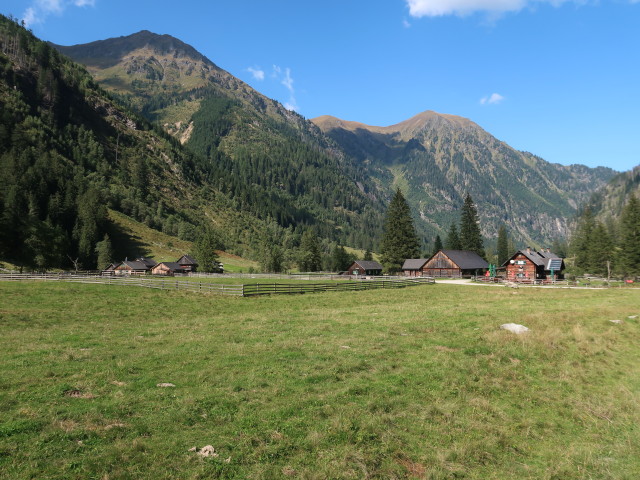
365 267
109 269
454 263
412 267
167 268
188 263
528 264
131 267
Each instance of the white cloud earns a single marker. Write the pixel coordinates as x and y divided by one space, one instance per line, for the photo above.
284 77
406 24
493 99
41 9
438 8
257 73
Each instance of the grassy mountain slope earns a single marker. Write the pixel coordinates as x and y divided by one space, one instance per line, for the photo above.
437 158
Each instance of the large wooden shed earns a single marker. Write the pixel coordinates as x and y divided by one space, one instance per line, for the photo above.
188 263
365 267
167 268
412 267
454 263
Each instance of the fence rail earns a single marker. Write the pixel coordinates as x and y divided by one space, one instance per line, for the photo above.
244 290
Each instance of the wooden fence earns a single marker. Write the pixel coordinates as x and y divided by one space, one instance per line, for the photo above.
244 290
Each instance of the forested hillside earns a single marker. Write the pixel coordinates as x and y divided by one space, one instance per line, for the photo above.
68 151
271 161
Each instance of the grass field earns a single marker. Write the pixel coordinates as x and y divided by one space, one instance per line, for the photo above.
411 383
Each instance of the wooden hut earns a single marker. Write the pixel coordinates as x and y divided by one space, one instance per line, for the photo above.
412 267
131 267
188 263
365 267
454 263
167 268
529 264
150 263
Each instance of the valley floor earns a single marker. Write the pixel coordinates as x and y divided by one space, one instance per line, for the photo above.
410 383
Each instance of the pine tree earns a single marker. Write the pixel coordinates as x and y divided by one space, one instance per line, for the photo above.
470 236
310 259
600 250
104 250
204 249
503 245
368 255
629 251
399 239
453 239
437 245
582 239
340 259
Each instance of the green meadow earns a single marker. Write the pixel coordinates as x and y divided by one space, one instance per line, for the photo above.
416 383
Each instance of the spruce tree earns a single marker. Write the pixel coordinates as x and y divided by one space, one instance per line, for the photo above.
503 245
368 255
582 239
453 239
340 259
104 250
600 250
204 249
629 252
399 239
470 236
310 258
437 245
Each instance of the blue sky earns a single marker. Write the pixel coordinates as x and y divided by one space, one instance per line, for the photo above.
560 79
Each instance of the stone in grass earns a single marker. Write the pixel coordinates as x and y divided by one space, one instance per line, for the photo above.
206 451
632 316
514 327
165 385
616 321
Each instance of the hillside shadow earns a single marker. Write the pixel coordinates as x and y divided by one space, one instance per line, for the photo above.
126 245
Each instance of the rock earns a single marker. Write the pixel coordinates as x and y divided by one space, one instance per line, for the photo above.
193 449
207 451
165 385
616 321
632 316
514 327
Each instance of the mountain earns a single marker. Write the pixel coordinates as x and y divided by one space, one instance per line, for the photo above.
274 163
69 152
607 203
436 159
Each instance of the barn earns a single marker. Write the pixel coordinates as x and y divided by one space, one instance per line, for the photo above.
167 268
188 263
529 264
454 263
365 267
131 267
412 267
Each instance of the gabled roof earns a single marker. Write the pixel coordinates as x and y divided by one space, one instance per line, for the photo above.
368 264
414 263
546 260
134 265
466 259
187 260
171 265
150 263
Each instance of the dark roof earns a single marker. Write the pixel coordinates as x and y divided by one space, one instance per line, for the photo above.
466 259
150 263
369 264
187 260
135 265
414 263
541 259
172 265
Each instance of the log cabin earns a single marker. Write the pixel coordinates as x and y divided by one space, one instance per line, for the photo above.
412 267
188 263
365 267
167 268
454 263
529 264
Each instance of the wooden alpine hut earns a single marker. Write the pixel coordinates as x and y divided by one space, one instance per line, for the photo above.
454 263
529 264
365 267
167 268
412 267
188 263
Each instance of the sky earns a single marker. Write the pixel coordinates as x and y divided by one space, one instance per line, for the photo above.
557 78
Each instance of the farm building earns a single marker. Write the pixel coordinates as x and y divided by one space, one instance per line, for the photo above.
365 267
528 264
131 267
188 263
109 269
412 267
147 261
454 263
167 268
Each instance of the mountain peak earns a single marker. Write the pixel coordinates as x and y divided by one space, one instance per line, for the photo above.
109 52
